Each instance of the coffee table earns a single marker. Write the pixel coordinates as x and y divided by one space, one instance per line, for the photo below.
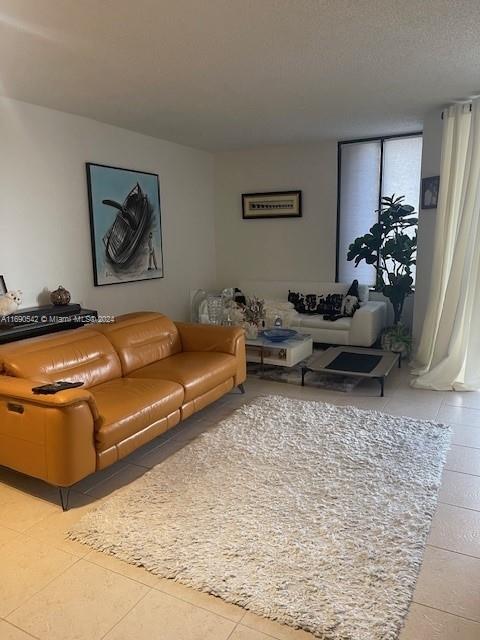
283 354
354 361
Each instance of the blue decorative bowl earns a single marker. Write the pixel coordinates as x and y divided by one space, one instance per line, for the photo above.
278 335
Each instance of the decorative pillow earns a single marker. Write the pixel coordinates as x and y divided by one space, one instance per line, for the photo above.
278 304
353 291
351 301
313 304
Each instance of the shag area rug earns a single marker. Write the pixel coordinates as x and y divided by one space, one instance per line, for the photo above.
310 514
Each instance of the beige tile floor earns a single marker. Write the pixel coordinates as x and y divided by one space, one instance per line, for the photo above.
55 589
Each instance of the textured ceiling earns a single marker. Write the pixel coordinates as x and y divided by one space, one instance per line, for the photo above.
224 74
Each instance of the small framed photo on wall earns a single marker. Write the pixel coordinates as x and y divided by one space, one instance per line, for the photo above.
272 204
3 286
430 187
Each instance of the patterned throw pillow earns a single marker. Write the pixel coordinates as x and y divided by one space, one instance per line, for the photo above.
313 304
353 291
351 302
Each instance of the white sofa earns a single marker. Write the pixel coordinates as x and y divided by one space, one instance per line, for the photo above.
362 330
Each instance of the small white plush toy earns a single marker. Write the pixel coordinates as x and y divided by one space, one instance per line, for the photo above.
349 306
10 302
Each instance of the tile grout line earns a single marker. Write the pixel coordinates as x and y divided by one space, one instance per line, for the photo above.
101 482
220 615
465 446
157 588
469 427
44 517
44 586
10 530
463 424
263 633
466 473
32 538
455 615
459 506
458 553
269 635
126 614
19 628
462 473
232 631
462 406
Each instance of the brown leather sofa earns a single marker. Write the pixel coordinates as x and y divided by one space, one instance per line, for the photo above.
142 375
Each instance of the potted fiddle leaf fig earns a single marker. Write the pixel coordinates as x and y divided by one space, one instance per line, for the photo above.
391 250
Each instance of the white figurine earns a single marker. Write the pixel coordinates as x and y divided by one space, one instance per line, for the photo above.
349 306
10 302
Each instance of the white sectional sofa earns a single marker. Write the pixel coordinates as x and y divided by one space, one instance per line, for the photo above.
362 330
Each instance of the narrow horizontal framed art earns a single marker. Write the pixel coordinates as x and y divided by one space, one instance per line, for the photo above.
272 204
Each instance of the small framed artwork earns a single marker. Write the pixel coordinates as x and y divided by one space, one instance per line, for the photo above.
125 224
272 204
3 286
430 187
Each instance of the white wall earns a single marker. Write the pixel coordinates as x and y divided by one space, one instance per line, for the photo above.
44 219
301 249
432 144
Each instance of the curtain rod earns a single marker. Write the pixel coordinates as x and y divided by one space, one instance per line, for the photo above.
465 104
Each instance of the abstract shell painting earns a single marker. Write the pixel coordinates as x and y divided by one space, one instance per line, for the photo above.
125 224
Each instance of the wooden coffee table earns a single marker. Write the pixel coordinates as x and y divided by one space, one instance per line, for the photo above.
354 361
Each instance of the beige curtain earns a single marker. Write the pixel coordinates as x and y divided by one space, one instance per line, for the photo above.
448 355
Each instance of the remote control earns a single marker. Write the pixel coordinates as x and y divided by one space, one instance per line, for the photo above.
55 387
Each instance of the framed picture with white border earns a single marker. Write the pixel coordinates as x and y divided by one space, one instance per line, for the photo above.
272 204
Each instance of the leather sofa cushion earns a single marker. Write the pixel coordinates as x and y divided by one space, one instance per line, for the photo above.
128 405
80 355
142 338
198 372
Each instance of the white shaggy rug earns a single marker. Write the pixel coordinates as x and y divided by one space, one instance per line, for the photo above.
307 513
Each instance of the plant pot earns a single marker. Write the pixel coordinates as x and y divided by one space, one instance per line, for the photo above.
396 338
251 330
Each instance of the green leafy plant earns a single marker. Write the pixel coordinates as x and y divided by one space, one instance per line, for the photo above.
391 250
397 338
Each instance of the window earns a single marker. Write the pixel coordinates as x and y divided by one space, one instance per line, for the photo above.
367 171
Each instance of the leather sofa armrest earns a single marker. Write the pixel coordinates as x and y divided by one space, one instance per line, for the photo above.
207 337
51 437
21 389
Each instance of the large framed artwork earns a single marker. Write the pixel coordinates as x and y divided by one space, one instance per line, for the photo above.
272 204
125 224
